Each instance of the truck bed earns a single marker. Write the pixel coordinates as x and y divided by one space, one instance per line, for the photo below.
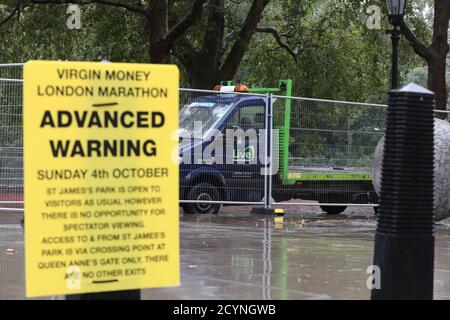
296 173
300 169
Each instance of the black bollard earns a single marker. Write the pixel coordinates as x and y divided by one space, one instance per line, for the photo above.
113 295
404 240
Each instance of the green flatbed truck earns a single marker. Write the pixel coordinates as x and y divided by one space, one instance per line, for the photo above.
211 182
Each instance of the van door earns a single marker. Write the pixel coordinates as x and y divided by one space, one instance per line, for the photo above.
243 142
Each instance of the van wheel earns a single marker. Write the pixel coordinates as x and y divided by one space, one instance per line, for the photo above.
202 192
333 209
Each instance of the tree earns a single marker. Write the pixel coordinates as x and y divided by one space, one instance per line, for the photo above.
167 25
326 49
336 56
434 54
323 45
212 61
160 37
41 33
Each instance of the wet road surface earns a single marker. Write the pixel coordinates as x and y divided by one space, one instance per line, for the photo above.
236 255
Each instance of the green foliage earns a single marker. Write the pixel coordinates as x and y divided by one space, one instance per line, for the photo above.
41 33
338 57
419 75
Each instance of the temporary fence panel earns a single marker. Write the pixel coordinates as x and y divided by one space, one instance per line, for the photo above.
222 148
11 151
11 182
326 151
320 150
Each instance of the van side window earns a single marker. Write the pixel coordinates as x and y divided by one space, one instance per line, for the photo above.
248 117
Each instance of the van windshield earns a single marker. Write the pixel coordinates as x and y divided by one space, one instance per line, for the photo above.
201 115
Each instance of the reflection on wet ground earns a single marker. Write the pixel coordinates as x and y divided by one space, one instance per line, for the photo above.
236 255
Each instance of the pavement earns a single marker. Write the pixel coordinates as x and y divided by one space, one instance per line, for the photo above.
236 255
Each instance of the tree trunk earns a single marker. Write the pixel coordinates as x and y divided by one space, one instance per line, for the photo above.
437 82
436 54
438 65
203 67
157 23
203 77
207 67
241 45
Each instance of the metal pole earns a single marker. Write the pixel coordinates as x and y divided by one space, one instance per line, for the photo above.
267 161
269 153
404 240
395 37
266 155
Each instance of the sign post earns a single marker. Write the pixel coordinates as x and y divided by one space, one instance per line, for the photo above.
101 185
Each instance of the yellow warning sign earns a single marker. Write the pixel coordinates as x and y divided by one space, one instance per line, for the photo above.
101 181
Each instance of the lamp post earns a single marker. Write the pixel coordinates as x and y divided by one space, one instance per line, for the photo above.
396 10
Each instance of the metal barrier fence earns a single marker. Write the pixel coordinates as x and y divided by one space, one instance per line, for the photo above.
241 149
222 149
327 152
11 155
